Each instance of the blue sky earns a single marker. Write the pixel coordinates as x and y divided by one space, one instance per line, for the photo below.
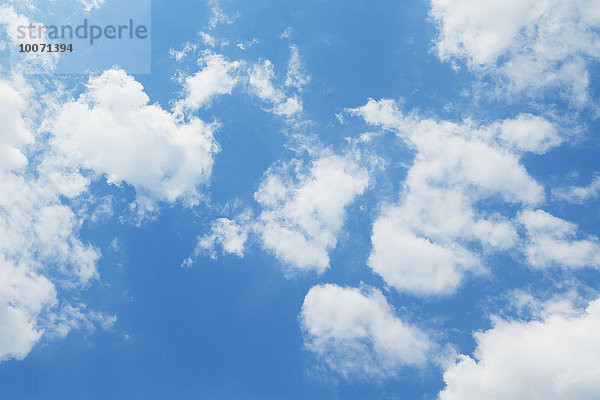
385 200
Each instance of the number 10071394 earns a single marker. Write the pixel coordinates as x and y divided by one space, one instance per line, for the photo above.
45 48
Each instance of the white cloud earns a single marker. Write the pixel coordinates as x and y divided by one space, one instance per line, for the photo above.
455 154
261 77
579 195
304 210
102 209
15 134
23 296
290 107
413 263
178 55
286 33
529 43
41 255
550 359
384 113
355 332
112 130
566 304
421 245
89 5
227 234
296 76
34 222
78 317
449 159
219 16
247 45
208 39
529 133
552 241
218 76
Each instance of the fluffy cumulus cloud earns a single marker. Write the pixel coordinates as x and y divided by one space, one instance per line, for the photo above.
112 130
413 263
40 252
15 133
218 76
552 358
552 241
528 133
304 208
422 245
356 333
531 44
23 297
